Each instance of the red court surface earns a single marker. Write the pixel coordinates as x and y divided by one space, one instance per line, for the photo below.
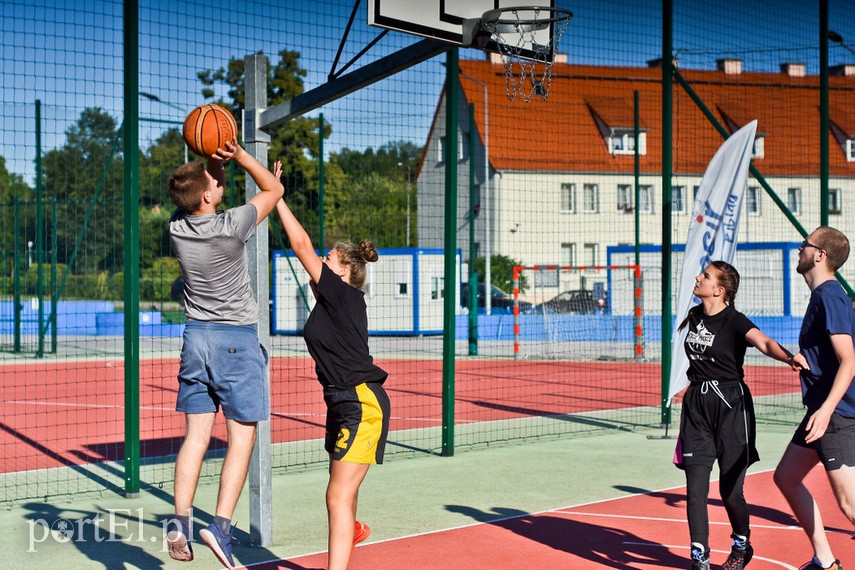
644 531
68 413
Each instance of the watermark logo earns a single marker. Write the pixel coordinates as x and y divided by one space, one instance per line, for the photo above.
113 525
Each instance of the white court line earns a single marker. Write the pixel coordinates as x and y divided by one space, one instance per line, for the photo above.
680 520
71 405
560 510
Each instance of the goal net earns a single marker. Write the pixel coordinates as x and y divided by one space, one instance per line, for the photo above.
578 313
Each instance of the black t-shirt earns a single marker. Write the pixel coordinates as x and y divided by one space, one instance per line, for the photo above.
336 334
716 344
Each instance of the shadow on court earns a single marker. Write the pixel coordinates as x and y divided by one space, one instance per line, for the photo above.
606 546
678 500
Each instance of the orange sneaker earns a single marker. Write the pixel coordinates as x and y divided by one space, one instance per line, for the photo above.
360 532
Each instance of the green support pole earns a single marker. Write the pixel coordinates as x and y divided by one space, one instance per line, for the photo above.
132 240
823 112
472 301
54 279
16 277
321 185
638 324
40 231
667 159
448 321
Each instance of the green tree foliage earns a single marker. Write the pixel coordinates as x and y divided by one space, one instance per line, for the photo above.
501 272
377 196
12 187
295 142
85 177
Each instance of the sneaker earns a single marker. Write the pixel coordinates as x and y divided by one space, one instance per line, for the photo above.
741 553
179 547
360 532
700 559
814 564
220 543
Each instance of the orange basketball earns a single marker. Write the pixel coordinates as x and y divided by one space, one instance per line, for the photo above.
207 128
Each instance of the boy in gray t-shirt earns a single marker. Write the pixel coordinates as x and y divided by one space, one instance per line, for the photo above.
222 361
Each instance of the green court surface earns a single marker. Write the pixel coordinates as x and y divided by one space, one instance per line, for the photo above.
402 498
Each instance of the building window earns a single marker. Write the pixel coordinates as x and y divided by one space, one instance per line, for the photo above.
568 254
591 198
752 200
850 150
624 198
678 199
622 141
695 194
402 279
441 150
759 147
645 198
463 147
437 288
794 200
568 198
590 254
835 201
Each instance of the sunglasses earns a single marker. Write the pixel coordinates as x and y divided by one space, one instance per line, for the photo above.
806 244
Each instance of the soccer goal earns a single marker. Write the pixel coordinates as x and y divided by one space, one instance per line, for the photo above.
580 313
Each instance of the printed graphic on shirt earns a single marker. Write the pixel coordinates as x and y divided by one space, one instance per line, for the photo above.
698 341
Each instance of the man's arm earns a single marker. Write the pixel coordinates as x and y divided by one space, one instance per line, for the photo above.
845 352
270 187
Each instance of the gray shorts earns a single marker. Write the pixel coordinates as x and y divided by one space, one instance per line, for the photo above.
223 365
836 447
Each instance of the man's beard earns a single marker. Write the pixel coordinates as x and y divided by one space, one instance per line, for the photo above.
805 265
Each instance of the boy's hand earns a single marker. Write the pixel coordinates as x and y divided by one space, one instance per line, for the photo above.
230 151
277 169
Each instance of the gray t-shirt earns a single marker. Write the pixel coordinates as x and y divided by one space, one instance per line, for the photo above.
211 249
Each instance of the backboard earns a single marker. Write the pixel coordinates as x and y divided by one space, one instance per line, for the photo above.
451 20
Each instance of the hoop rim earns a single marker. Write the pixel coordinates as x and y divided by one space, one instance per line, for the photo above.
494 16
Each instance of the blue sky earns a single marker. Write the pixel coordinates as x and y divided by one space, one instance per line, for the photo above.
69 55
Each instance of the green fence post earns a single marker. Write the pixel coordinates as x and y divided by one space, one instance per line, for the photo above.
448 321
54 292
40 230
823 112
132 240
667 160
321 185
16 278
472 301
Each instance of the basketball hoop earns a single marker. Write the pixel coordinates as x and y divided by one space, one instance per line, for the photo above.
528 39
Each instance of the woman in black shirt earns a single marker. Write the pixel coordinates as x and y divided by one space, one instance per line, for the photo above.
336 335
717 421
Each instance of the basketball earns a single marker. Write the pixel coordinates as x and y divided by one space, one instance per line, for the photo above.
207 128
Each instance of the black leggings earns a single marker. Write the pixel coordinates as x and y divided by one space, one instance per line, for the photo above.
697 492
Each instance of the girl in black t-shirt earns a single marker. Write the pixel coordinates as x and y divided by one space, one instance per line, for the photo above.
336 335
717 421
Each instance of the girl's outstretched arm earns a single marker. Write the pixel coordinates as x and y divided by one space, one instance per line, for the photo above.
301 243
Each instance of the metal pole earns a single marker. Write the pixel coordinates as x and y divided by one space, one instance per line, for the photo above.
40 230
131 237
450 301
637 299
408 203
472 301
17 276
823 112
321 184
667 157
257 144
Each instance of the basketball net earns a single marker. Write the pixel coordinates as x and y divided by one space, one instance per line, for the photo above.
528 64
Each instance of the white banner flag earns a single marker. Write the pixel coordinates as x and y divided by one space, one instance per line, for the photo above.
712 233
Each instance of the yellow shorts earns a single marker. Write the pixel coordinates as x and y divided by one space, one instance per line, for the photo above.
357 423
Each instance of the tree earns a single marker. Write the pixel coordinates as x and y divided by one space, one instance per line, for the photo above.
501 272
85 176
12 187
295 142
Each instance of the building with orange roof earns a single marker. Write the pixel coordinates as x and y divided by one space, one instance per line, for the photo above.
560 178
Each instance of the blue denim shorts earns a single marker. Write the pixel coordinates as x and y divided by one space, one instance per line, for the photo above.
223 365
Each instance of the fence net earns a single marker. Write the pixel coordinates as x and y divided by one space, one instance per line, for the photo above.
549 182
